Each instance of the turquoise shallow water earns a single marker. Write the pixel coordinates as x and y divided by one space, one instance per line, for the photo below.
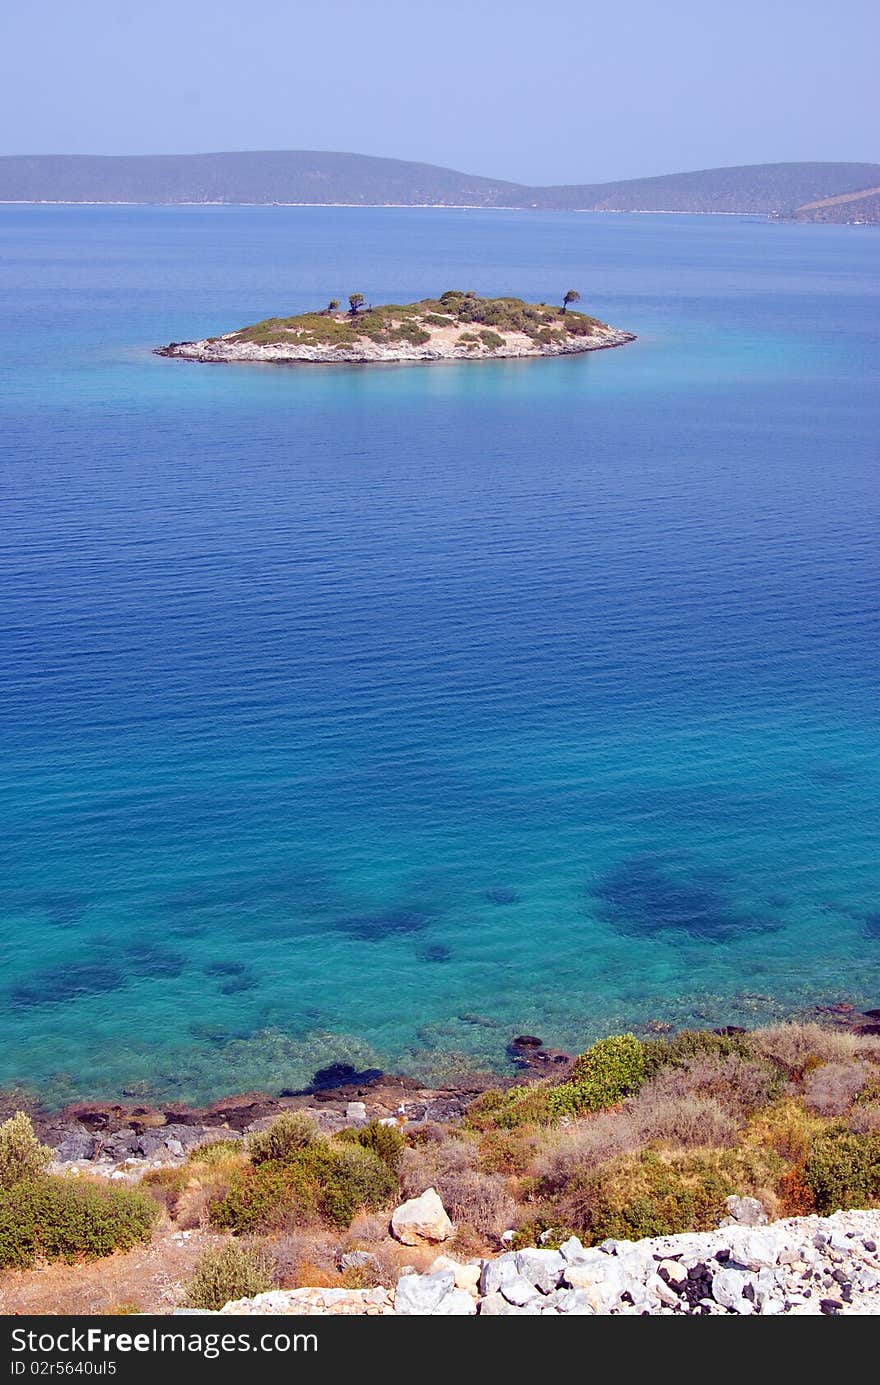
374 715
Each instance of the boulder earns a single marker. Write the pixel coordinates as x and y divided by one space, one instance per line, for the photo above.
424 1293
727 1289
497 1306
519 1290
421 1219
466 1276
495 1273
602 1284
78 1143
746 1211
543 1268
754 1249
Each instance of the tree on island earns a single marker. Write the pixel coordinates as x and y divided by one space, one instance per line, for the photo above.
333 305
356 300
571 296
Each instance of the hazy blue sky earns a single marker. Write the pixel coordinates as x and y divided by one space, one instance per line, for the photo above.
559 90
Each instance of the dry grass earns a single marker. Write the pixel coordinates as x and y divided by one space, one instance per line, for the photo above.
831 1089
687 1122
186 1190
478 1200
584 1145
432 1161
793 1046
864 1119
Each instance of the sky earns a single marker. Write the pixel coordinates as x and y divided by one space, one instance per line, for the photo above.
558 91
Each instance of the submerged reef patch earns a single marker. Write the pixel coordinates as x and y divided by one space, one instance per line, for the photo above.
60 985
646 896
385 923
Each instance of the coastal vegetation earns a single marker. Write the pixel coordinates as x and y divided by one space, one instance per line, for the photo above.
50 1217
465 315
638 1136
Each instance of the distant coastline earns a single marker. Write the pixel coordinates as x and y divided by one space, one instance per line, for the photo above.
840 191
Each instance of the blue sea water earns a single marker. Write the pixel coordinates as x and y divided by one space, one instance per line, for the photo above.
377 714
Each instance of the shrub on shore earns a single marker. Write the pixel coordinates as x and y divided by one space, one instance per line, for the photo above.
21 1154
328 1181
229 1272
607 1072
659 1192
385 1141
283 1140
60 1218
842 1169
66 1218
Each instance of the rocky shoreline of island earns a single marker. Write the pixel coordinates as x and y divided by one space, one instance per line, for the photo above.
457 326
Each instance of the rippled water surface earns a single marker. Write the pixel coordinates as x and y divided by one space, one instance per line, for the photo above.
376 714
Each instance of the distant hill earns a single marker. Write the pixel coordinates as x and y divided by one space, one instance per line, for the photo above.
759 188
302 176
293 176
854 208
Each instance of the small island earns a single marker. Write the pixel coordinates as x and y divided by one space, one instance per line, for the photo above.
456 326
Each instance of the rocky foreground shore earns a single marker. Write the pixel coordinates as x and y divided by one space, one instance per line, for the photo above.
804 1266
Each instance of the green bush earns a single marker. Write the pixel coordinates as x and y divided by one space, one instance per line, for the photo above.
283 1140
612 1069
491 339
216 1152
21 1154
843 1170
328 1181
229 1272
64 1218
661 1194
692 1043
513 1107
408 331
385 1141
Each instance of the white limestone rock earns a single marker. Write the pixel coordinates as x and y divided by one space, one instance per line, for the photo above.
421 1220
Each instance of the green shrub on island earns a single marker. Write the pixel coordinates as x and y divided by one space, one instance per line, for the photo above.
21 1154
66 1218
226 1273
412 323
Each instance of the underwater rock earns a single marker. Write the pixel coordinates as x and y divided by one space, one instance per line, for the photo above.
645 896
60 985
343 1075
385 924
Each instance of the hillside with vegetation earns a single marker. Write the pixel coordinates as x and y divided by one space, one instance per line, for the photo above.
313 177
458 325
848 209
638 1137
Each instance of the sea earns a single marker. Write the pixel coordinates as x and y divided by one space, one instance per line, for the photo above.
376 715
